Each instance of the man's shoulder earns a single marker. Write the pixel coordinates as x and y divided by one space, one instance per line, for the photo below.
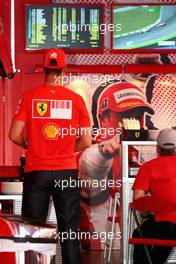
153 162
156 161
77 99
70 92
32 91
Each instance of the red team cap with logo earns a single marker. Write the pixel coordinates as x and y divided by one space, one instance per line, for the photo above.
123 96
55 59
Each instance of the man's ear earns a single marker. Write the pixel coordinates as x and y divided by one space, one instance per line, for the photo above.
102 121
63 72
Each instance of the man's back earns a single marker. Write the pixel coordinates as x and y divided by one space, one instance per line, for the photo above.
158 177
52 114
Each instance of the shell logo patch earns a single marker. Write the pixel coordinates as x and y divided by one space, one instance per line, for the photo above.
42 108
51 131
128 104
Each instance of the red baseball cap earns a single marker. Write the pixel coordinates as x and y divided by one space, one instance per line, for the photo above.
55 59
123 96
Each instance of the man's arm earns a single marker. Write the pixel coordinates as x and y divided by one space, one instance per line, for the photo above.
138 193
84 140
142 183
16 133
111 147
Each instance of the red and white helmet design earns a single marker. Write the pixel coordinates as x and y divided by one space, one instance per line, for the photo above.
123 96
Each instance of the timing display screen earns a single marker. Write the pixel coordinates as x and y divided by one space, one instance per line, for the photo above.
144 27
67 27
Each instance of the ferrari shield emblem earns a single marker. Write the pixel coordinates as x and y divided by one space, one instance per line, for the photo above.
137 134
42 108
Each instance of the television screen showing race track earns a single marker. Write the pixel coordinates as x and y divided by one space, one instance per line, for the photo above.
144 27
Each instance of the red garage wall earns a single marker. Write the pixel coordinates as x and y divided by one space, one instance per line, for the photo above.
1 123
30 72
5 20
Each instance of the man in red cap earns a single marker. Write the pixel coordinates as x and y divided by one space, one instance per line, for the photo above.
52 116
119 104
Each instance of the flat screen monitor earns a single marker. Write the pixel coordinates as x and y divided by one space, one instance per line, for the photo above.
70 27
144 28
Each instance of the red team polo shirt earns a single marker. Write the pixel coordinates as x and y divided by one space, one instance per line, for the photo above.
158 176
53 115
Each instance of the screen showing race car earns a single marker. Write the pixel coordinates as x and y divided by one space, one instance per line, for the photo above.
144 27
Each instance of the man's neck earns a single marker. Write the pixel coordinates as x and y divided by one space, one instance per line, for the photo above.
53 80
53 83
